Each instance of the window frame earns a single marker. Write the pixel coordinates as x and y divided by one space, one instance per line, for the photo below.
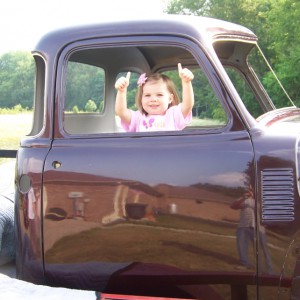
142 41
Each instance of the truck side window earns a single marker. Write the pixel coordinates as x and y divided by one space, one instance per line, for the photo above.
207 112
89 89
84 103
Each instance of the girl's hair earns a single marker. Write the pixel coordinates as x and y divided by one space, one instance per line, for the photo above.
154 77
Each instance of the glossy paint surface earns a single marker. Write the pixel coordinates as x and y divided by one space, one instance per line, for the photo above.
186 224
156 214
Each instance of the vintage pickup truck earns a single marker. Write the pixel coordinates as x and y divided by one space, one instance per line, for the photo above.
208 212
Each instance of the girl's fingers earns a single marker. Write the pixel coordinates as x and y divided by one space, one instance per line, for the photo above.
123 82
185 73
179 68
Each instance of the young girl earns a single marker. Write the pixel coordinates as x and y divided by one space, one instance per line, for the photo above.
157 101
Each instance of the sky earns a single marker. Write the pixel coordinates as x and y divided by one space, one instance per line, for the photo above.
24 22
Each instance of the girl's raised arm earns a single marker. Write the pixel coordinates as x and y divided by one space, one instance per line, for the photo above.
121 100
187 89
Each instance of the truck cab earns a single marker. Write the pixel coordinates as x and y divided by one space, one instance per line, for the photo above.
207 212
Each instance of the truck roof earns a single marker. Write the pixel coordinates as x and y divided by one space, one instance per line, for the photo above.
193 27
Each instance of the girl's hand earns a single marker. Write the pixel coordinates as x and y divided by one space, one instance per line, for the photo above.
185 74
122 83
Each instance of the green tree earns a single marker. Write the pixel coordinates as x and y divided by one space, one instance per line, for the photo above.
188 7
16 79
284 20
275 22
250 13
90 106
75 109
84 82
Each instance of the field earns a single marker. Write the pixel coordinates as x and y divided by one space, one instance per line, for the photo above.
12 128
15 126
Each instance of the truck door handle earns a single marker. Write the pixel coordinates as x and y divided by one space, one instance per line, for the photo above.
56 164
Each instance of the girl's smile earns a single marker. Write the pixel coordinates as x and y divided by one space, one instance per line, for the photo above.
156 98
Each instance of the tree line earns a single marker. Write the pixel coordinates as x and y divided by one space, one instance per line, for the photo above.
275 22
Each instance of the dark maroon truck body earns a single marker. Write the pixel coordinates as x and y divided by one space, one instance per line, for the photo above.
153 214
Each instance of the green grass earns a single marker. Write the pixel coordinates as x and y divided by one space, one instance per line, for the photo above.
167 239
206 123
164 244
12 128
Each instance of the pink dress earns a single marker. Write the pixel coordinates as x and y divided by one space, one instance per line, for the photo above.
172 120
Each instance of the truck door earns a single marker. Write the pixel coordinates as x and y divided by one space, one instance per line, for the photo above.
144 213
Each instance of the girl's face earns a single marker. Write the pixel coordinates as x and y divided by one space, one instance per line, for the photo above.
156 97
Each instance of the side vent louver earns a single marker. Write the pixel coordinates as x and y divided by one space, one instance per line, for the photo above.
278 195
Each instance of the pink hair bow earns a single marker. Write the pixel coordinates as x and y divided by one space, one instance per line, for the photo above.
142 79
